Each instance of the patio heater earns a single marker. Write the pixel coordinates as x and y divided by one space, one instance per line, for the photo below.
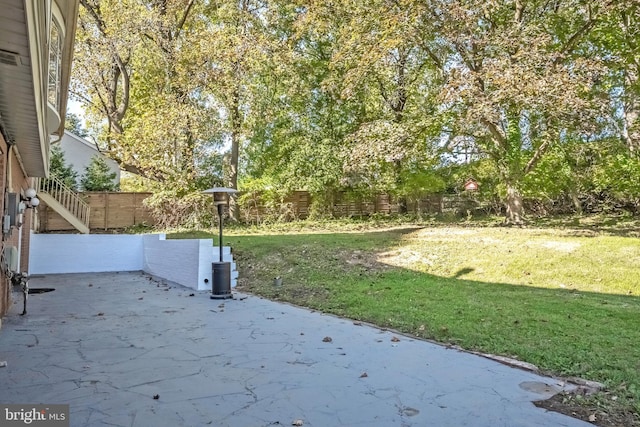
221 271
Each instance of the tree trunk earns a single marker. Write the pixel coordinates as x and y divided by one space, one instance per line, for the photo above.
631 131
515 209
234 210
402 200
577 204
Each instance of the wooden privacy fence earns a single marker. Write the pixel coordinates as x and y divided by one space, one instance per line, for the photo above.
109 210
298 206
116 210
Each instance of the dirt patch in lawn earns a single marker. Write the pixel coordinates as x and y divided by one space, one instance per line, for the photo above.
591 409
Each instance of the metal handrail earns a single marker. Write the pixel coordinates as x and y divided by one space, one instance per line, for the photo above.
65 196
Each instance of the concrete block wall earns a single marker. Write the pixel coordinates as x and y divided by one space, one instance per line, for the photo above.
186 262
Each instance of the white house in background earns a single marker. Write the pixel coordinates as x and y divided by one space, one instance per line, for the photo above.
78 153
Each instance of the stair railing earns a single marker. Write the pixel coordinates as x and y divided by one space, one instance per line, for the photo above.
65 196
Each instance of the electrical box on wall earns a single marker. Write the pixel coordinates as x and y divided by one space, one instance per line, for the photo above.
10 255
13 208
6 224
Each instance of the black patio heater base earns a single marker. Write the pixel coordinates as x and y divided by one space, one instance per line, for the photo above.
221 286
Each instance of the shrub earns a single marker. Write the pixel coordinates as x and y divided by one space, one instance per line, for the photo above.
98 176
172 210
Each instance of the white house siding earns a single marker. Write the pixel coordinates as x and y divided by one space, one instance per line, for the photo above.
78 153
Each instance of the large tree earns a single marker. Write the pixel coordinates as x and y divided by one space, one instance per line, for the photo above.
136 73
106 39
515 75
396 81
522 80
339 95
299 133
618 40
233 55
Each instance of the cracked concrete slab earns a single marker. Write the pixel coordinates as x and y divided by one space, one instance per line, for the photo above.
107 343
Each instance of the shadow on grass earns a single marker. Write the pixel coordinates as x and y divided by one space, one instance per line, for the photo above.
591 226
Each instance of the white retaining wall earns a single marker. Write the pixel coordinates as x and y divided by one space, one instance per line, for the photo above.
84 253
184 261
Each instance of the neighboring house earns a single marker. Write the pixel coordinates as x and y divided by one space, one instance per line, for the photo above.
36 49
78 153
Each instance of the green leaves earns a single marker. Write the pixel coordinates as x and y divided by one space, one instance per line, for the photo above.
98 176
59 168
141 84
360 96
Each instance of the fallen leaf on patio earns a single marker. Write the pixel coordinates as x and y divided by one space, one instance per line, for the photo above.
221 305
297 423
364 375
156 396
357 323
140 298
100 314
592 418
395 339
326 339
90 284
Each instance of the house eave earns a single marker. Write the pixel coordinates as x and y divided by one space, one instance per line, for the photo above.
24 110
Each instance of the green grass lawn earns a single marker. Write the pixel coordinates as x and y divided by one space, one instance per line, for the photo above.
564 299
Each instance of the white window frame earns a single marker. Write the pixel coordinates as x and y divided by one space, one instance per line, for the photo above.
56 44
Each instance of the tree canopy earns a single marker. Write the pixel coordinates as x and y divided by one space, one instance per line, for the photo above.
367 97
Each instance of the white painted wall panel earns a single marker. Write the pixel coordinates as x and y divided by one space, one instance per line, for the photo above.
186 262
205 257
84 253
174 260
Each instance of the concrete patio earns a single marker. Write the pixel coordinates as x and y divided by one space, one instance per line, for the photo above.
108 343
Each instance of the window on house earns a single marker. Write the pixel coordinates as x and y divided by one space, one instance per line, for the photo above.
55 63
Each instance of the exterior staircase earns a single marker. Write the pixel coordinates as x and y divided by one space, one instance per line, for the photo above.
66 202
